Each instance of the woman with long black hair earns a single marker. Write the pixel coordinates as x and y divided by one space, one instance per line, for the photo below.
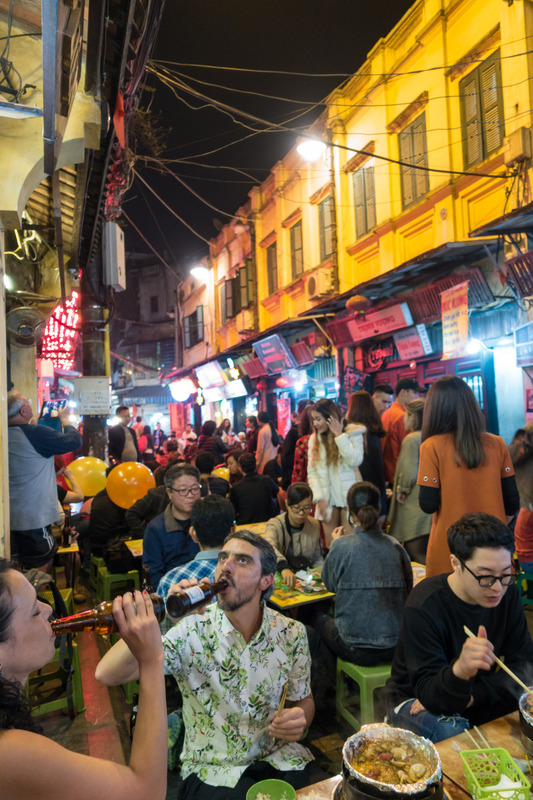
34 766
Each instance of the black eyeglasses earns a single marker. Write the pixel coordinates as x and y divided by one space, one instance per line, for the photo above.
486 581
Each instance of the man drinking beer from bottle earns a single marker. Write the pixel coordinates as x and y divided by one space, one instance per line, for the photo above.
232 663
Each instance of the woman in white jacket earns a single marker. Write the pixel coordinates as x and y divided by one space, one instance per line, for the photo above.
335 452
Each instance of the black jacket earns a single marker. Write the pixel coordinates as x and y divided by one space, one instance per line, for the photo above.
254 499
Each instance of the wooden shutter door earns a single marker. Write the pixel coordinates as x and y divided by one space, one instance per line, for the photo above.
492 106
471 118
370 197
420 157
406 173
359 201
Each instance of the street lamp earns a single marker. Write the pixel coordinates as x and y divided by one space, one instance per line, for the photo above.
200 273
311 149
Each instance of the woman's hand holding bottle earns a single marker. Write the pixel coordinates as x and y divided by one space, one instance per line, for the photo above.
138 626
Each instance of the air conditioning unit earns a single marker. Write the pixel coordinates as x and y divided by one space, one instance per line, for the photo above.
319 284
114 256
517 146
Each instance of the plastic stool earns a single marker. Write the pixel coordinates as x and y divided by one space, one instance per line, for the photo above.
109 584
96 563
54 672
368 679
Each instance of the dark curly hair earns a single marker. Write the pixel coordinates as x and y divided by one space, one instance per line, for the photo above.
14 709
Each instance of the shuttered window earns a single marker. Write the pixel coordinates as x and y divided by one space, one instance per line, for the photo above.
365 200
481 111
325 228
413 150
193 328
246 283
272 268
297 254
229 299
223 317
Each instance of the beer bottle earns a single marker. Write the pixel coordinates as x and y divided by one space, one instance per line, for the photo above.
100 619
194 597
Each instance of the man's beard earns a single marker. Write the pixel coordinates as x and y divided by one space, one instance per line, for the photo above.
233 604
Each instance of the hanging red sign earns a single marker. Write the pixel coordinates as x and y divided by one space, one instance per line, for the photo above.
61 334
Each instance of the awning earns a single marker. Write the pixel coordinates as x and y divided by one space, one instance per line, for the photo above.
431 265
154 395
520 220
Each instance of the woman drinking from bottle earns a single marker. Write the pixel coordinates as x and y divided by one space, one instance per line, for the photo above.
34 766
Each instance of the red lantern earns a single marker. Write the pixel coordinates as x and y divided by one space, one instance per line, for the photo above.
282 382
260 386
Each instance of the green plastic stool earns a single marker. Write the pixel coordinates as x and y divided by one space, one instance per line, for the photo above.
368 679
110 584
38 682
96 563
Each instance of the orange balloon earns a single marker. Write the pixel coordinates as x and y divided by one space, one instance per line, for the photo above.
128 482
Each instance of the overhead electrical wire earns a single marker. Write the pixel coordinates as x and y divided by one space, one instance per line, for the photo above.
357 74
255 118
174 213
143 237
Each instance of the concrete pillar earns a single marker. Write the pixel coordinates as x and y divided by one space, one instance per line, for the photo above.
95 362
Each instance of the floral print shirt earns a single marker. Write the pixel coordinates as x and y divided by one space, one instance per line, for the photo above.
231 691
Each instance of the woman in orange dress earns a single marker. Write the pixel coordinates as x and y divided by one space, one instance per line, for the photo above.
462 469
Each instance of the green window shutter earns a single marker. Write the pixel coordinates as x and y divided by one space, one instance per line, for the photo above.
223 317
471 119
243 285
296 250
236 294
272 268
229 299
370 197
491 104
187 332
199 323
420 176
406 173
250 280
359 202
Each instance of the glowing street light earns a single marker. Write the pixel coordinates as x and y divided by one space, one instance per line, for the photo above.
200 273
311 149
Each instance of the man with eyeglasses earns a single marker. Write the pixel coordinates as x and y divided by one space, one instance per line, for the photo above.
167 543
443 682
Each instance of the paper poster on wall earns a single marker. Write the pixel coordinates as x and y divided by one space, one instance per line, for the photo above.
454 321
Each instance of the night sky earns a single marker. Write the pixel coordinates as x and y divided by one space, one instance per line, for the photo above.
309 36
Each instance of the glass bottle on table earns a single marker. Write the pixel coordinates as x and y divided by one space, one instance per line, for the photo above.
100 619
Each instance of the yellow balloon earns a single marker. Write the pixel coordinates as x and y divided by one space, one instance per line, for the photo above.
222 472
90 474
128 482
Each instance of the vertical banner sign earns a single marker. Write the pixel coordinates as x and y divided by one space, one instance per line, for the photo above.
177 417
454 321
283 405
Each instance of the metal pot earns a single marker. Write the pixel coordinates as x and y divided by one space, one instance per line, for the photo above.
525 707
355 780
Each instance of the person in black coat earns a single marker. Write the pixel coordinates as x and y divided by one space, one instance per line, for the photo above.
288 447
210 443
254 496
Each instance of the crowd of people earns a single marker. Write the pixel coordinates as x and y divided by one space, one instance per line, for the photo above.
355 496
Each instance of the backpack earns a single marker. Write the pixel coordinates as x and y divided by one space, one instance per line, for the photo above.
47 592
118 557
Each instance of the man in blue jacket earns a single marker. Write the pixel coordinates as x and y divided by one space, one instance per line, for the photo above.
33 501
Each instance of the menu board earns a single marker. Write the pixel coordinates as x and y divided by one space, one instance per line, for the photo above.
274 354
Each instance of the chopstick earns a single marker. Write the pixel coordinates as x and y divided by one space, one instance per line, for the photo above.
484 741
282 701
501 664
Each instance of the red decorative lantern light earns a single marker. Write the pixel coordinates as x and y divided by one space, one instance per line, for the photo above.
282 382
260 386
61 334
